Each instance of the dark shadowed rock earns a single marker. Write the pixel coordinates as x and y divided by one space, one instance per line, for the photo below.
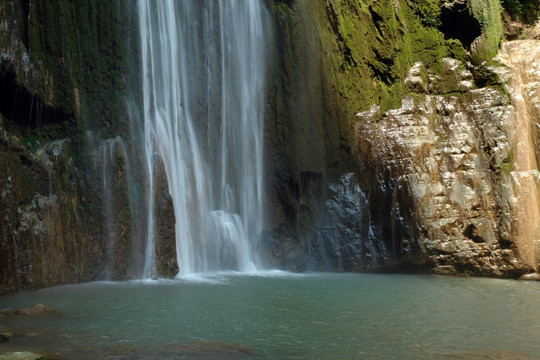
5 334
165 234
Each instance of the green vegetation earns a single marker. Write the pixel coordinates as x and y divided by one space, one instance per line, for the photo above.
82 54
508 163
488 14
427 11
527 11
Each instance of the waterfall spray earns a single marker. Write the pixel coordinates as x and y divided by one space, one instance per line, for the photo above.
203 86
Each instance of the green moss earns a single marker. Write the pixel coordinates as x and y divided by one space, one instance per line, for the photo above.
488 14
483 76
527 11
427 11
508 163
418 98
456 50
81 45
277 6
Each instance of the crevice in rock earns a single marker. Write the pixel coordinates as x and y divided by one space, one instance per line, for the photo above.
458 22
377 20
22 109
382 69
471 233
312 182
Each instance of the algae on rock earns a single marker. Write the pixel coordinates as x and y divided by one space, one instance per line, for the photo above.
64 72
338 58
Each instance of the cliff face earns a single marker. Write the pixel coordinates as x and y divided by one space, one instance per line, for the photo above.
63 75
394 142
522 58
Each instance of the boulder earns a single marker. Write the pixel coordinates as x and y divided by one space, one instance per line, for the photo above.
530 277
37 309
5 334
22 355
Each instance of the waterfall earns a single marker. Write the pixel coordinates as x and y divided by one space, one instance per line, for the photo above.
203 65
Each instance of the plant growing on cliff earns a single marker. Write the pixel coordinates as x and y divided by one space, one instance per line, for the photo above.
427 11
527 11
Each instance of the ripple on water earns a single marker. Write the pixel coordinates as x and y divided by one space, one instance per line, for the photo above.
283 315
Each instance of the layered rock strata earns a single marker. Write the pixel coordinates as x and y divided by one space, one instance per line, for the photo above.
451 157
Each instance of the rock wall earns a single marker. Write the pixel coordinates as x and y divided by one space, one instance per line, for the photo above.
391 139
449 158
524 87
64 96
393 142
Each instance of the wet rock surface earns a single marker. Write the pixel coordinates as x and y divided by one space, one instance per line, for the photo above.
448 156
58 101
434 183
320 217
522 58
530 277
165 233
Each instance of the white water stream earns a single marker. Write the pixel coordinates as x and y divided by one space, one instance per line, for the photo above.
203 86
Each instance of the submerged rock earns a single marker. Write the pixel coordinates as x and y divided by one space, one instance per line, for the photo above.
5 334
444 270
189 350
22 355
209 349
530 277
37 309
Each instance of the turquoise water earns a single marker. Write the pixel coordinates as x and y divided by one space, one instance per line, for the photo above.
285 316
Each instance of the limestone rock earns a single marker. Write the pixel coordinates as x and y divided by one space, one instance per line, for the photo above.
445 155
417 78
530 277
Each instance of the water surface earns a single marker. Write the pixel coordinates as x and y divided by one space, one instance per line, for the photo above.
285 316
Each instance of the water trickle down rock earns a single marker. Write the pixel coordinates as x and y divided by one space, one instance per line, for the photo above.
523 57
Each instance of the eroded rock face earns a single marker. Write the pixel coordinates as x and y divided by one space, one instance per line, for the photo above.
523 57
41 224
165 233
350 235
448 157
59 101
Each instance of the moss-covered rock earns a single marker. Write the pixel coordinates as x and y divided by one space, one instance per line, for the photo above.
338 58
64 72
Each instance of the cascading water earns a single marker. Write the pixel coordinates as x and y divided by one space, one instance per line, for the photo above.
203 87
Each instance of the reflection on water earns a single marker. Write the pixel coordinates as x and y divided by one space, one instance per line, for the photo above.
277 315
